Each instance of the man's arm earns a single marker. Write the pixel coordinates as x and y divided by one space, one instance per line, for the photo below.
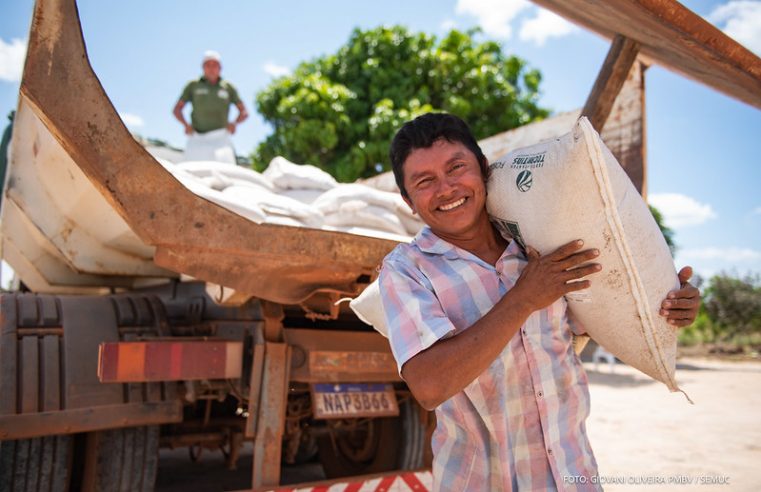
181 117
448 366
242 115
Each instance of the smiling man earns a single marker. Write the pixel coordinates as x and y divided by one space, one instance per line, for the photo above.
479 328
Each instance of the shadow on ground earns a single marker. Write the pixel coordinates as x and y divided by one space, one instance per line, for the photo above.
619 380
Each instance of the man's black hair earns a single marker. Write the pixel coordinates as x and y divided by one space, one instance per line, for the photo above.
423 132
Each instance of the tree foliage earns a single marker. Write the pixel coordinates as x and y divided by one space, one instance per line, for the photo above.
730 313
734 304
340 111
668 233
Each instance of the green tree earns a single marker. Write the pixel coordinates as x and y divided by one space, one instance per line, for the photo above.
668 233
734 304
340 111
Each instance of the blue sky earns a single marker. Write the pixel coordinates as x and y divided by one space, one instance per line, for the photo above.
704 168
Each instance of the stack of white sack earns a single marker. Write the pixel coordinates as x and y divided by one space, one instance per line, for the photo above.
551 193
298 195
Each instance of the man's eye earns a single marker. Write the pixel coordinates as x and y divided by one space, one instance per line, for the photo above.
424 182
457 166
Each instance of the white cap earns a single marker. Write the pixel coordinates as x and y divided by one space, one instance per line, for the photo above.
211 55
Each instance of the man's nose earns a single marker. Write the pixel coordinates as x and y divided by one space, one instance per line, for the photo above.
446 186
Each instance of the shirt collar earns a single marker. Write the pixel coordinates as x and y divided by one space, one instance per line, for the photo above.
205 80
428 242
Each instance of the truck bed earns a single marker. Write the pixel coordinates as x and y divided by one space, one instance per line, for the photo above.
87 209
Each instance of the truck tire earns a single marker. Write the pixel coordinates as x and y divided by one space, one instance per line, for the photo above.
379 445
121 460
38 464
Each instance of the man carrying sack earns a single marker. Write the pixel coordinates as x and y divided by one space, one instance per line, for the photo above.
209 130
479 326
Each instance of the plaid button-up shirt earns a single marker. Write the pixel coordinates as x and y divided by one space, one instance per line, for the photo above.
520 424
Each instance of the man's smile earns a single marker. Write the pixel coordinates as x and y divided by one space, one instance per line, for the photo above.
452 205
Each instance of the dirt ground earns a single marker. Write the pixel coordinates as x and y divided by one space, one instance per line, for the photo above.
645 437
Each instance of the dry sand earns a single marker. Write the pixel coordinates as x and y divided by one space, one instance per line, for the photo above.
646 438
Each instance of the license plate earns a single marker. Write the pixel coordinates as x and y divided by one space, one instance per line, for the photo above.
341 401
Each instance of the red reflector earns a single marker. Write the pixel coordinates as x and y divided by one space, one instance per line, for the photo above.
168 360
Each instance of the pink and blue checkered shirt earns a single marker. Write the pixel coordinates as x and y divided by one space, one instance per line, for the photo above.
520 424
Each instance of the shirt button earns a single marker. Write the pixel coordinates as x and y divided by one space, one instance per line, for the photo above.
539 394
549 451
523 331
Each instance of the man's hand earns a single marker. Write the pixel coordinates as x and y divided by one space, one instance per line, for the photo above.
681 306
547 278
177 112
231 128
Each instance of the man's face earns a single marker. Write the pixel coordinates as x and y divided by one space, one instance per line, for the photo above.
211 70
446 188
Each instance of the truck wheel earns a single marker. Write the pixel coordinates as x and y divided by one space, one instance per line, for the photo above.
375 445
39 464
121 460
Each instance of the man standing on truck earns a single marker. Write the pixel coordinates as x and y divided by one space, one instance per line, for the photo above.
211 97
479 329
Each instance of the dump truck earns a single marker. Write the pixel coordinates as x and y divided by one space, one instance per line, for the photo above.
149 316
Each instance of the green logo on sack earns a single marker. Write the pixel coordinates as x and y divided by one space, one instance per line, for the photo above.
524 180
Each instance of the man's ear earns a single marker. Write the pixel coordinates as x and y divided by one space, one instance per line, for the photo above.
409 203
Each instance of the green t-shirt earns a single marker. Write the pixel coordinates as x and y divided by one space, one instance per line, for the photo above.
211 103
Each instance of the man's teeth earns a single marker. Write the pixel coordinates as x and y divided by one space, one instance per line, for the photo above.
452 205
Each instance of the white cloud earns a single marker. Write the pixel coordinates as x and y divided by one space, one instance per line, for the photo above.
711 261
12 57
494 16
544 25
131 120
448 25
681 210
741 20
733 254
276 70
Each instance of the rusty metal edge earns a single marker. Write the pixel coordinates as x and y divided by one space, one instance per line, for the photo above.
689 31
42 424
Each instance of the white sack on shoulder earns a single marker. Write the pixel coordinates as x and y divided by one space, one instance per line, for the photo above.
572 187
215 145
286 175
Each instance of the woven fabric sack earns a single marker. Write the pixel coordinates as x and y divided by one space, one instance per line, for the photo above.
572 187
